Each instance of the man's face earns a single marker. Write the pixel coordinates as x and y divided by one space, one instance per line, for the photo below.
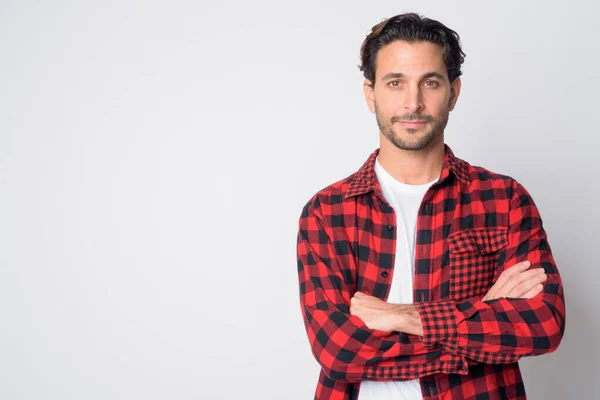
411 95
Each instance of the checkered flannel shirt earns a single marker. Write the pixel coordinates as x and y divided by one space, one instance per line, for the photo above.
471 226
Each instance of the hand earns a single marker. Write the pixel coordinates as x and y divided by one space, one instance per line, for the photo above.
380 315
518 282
374 312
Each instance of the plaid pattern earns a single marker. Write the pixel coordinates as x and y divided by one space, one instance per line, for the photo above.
475 250
472 225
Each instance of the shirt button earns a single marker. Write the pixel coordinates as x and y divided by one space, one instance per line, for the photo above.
479 246
384 274
389 227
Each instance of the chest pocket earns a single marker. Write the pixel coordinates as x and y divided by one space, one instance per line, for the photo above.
473 260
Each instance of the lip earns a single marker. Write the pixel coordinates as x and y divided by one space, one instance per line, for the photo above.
412 124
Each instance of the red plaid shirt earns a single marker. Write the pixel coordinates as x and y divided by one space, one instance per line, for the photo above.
471 226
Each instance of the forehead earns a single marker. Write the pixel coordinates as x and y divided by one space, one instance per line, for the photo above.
410 58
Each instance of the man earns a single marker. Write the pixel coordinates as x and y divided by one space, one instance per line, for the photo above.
422 276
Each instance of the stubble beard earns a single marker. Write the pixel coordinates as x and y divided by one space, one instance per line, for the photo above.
414 140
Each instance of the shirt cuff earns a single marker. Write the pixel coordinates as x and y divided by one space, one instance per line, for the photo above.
440 324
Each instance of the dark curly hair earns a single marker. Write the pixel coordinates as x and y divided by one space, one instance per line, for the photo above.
412 28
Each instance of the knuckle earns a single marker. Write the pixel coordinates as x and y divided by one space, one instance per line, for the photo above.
515 291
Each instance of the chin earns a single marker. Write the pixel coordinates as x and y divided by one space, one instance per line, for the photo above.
416 144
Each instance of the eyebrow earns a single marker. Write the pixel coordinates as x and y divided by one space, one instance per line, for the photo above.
397 75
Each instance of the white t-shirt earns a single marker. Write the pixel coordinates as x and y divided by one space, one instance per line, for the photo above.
405 200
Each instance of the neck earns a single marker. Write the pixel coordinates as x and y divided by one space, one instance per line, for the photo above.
413 167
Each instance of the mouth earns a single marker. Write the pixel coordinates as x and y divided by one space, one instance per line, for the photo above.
412 124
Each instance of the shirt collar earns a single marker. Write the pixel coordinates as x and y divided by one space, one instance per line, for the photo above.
365 179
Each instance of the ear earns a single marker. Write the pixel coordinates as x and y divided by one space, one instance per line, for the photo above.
454 93
368 89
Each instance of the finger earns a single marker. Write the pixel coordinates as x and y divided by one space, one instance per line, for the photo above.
518 286
520 289
524 276
508 274
512 271
537 289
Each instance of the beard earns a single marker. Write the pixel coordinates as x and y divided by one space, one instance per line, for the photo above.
412 140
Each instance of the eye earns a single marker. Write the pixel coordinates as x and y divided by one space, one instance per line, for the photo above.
394 83
431 84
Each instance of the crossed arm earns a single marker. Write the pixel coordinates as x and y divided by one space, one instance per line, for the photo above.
497 329
517 281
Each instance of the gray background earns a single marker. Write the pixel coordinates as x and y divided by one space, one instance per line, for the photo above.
155 157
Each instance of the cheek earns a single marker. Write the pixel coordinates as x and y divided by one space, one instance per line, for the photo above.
438 105
388 104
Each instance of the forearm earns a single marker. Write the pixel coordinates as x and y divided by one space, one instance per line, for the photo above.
350 351
406 319
495 331
377 315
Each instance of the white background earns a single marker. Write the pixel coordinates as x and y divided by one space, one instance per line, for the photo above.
155 157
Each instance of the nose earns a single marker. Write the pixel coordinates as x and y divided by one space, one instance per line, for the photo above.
413 101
